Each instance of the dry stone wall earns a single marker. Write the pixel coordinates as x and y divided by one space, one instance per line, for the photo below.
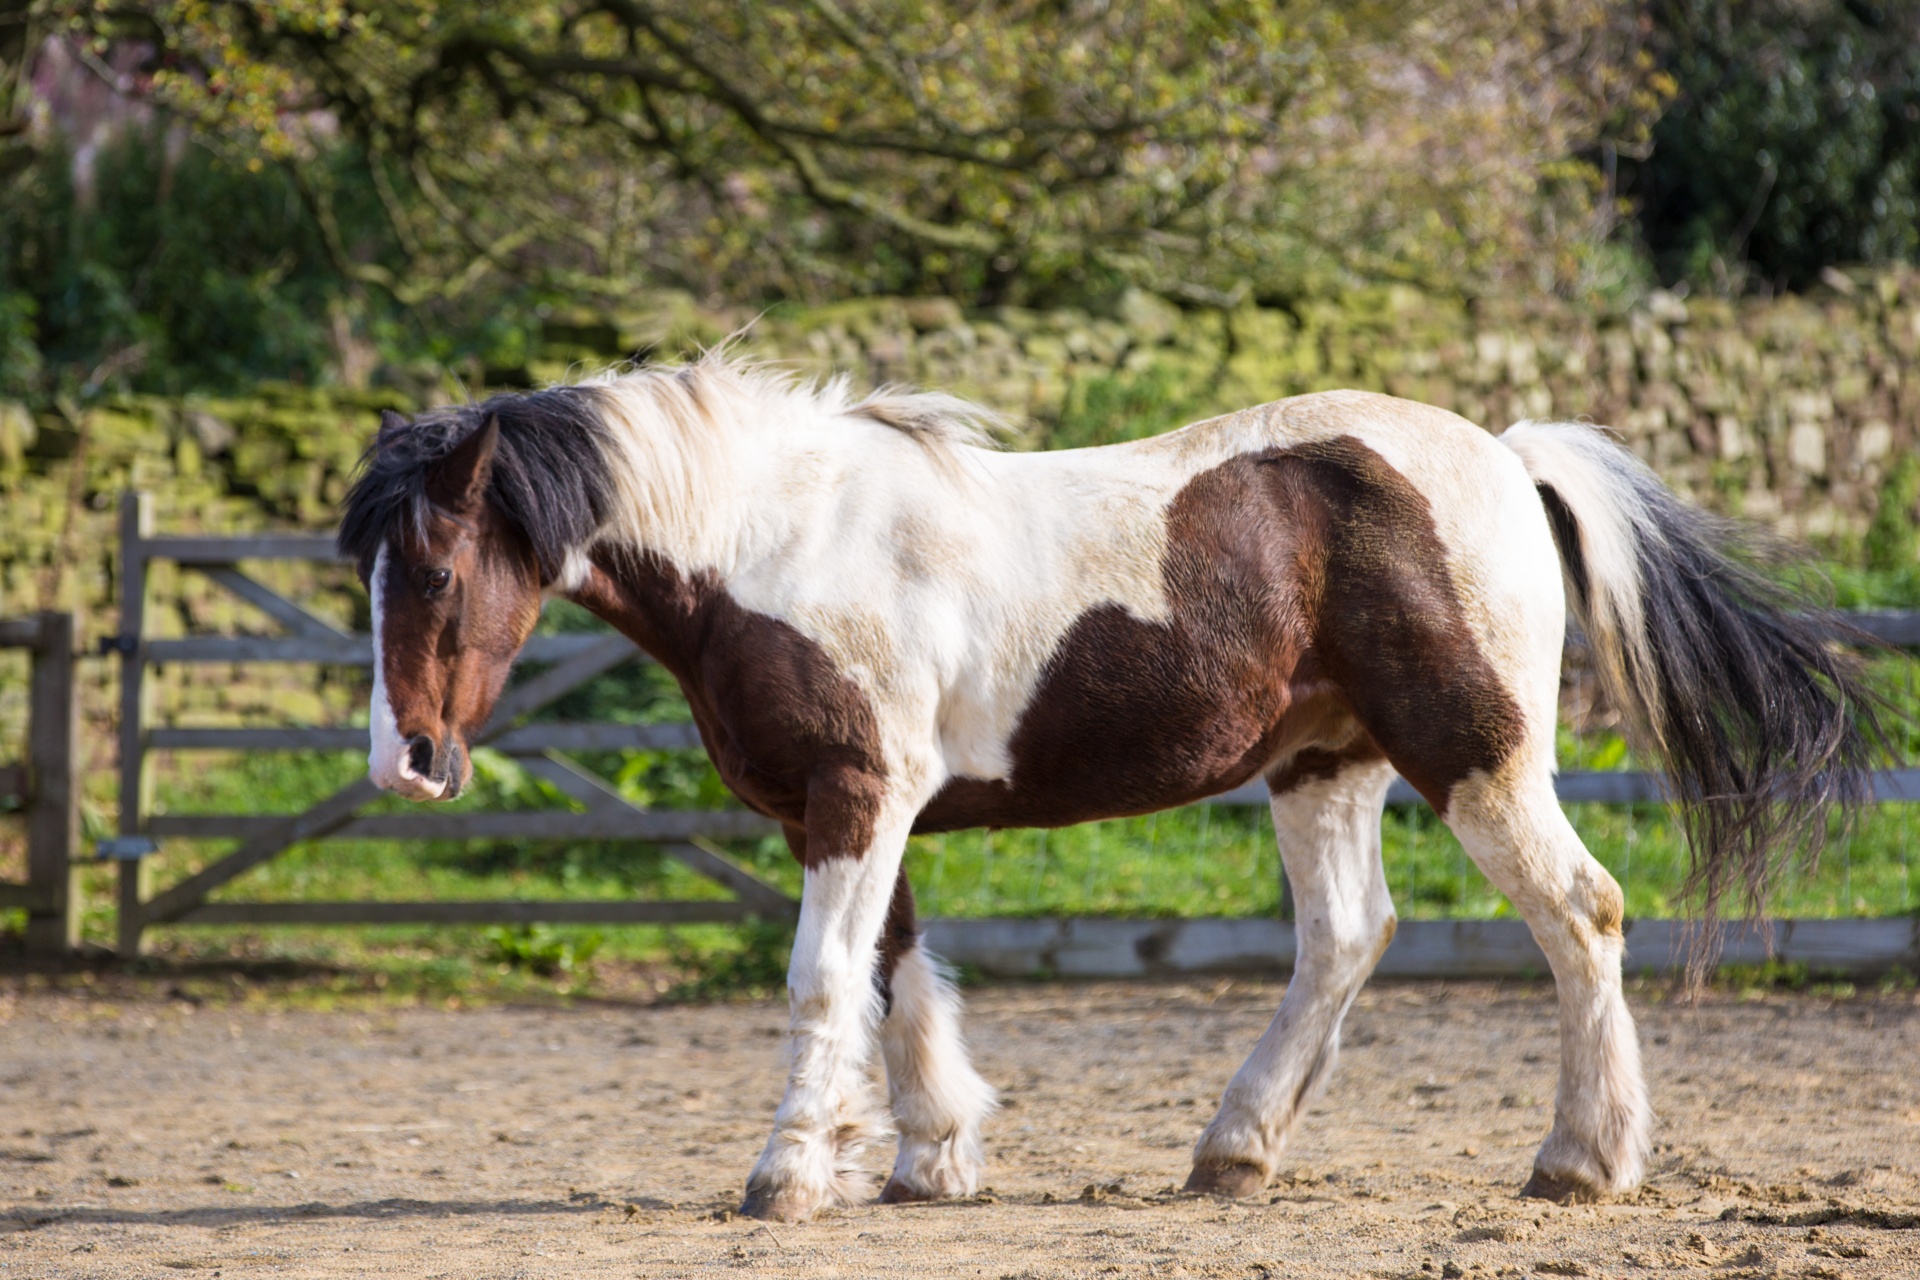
1789 411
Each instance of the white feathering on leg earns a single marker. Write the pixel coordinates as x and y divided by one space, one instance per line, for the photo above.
938 1099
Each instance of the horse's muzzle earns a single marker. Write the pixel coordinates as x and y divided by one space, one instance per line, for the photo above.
423 768
441 765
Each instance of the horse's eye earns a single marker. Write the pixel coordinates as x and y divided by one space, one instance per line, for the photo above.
437 581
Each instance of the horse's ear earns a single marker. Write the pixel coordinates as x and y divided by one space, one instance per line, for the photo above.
459 482
391 422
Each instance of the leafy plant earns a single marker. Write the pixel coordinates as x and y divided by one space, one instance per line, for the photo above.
1893 539
781 148
758 968
542 950
1890 576
150 265
1794 142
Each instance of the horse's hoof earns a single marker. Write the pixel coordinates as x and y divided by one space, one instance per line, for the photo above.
1230 1180
898 1192
1559 1188
772 1204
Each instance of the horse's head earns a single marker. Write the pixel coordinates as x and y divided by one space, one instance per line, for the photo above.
456 590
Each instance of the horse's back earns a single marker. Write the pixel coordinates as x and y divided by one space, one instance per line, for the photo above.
1310 574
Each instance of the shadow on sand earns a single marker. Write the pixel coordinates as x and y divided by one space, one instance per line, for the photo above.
20 1219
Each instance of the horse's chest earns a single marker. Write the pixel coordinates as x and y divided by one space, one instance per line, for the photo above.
778 717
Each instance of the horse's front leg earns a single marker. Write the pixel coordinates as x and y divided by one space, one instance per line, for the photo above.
851 853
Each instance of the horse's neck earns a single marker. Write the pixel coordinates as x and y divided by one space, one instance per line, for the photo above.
653 604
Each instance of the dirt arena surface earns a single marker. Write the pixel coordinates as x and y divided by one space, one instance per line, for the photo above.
154 1138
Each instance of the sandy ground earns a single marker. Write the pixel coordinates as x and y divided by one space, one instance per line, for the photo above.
154 1138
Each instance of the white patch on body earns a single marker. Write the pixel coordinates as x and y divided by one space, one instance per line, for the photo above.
389 763
574 568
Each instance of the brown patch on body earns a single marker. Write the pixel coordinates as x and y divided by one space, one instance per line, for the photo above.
793 737
1309 593
1390 630
899 935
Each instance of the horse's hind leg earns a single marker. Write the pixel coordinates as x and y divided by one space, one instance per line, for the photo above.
1326 813
938 1100
1513 827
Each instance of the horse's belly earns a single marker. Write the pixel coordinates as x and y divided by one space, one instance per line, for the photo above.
1131 738
1086 792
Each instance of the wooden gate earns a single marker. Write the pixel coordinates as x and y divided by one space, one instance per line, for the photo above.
44 785
541 749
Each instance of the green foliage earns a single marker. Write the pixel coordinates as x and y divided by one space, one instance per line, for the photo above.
1768 975
542 950
759 151
1794 143
756 967
1110 408
170 272
179 266
1889 578
1893 538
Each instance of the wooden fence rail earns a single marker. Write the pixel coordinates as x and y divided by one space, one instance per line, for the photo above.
45 787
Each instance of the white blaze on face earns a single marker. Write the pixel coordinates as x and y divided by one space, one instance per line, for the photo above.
388 761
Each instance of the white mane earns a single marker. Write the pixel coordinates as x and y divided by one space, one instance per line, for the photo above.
683 434
718 389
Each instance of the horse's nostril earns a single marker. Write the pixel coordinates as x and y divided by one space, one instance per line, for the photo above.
420 754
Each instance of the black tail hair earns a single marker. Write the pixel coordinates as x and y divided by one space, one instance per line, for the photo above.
1731 672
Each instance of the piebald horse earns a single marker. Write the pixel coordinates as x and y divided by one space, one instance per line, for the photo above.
884 625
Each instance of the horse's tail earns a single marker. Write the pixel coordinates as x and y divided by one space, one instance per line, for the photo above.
1733 681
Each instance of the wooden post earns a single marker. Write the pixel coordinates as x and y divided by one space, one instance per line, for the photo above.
53 813
136 526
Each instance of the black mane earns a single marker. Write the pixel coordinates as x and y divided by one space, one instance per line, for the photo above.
549 473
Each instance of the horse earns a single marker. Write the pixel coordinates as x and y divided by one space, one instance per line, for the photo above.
886 624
